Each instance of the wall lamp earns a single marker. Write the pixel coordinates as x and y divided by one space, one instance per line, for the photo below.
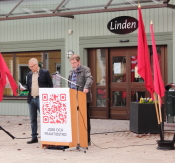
69 53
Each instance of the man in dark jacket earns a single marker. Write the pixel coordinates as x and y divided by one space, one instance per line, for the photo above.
81 75
36 78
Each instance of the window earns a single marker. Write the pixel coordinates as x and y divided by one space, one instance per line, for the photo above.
18 66
23 71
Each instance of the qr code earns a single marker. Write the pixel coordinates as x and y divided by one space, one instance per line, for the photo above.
54 108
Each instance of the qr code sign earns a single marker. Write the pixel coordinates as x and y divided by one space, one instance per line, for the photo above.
44 97
63 97
54 110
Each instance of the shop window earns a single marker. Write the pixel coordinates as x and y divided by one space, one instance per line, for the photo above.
8 58
119 69
101 67
101 97
119 98
18 66
58 68
23 71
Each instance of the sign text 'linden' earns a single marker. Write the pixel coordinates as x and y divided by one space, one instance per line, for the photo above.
122 25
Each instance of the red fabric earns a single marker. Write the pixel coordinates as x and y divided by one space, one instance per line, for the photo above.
5 72
2 77
100 91
124 80
158 82
144 68
133 64
123 95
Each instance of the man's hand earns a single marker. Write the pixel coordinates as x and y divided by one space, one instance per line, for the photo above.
22 89
85 90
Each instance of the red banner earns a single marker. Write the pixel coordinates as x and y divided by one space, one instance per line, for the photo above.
144 68
158 82
4 72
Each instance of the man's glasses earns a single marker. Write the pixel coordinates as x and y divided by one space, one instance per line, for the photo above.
31 66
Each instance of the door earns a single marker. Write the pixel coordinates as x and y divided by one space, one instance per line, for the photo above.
116 81
98 62
124 85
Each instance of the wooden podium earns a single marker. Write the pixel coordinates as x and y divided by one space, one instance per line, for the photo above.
78 121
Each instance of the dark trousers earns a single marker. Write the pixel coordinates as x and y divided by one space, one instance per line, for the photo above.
88 122
34 106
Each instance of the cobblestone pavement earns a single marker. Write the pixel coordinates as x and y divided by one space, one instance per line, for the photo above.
111 142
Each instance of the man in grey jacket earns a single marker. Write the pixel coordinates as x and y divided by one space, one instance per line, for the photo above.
81 75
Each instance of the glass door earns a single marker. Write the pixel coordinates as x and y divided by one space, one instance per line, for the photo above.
98 62
118 83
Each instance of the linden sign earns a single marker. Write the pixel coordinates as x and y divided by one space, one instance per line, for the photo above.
122 25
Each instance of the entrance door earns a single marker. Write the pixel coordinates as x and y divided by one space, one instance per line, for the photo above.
98 62
116 68
125 85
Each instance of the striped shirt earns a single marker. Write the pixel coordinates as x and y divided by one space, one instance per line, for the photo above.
74 78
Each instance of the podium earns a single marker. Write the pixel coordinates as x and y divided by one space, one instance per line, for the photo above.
63 117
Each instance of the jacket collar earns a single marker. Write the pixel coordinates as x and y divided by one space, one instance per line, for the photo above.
39 71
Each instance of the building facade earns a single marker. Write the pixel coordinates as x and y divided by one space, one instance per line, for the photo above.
50 38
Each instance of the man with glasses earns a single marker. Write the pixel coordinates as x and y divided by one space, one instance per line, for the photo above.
36 78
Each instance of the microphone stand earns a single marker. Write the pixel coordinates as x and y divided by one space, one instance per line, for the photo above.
78 147
67 80
7 133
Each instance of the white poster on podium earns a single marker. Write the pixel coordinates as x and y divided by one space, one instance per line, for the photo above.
55 115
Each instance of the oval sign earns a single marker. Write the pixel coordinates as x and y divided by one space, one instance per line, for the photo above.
122 25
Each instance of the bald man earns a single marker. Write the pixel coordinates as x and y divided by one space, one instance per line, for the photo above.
36 78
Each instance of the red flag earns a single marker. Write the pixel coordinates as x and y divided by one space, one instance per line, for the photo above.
158 82
2 77
144 68
4 72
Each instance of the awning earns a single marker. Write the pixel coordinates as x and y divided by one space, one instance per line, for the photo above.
24 9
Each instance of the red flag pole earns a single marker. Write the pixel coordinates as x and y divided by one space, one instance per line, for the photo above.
158 83
160 115
156 107
159 102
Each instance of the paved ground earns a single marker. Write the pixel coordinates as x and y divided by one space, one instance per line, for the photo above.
119 146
